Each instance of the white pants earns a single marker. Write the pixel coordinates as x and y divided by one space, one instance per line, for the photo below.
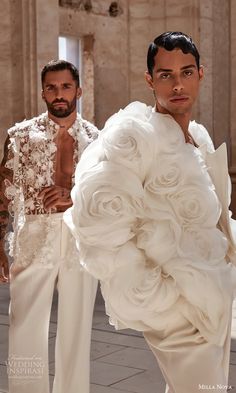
188 362
48 242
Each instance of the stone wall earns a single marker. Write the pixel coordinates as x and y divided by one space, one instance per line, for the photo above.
115 37
110 52
148 19
28 39
232 92
120 46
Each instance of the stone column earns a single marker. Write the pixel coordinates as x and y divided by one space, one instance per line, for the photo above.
40 30
88 78
10 65
28 39
47 34
29 58
221 74
110 54
206 53
233 102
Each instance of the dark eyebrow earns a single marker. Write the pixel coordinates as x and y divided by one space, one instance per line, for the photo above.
53 84
189 66
182 68
164 70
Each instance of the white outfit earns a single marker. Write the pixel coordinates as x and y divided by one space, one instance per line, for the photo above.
45 257
150 225
31 298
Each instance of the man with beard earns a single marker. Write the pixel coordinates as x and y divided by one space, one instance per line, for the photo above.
37 174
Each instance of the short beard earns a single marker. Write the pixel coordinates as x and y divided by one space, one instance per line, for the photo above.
62 112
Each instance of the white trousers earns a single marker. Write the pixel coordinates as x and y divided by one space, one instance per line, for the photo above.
188 362
54 262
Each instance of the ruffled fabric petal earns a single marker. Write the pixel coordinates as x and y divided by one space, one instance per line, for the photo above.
145 217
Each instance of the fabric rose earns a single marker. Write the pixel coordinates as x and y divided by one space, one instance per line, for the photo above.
103 263
166 176
206 313
196 206
130 143
106 204
159 240
136 293
203 245
135 110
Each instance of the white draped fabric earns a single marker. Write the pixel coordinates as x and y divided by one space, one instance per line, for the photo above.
145 217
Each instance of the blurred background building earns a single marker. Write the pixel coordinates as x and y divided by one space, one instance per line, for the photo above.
108 41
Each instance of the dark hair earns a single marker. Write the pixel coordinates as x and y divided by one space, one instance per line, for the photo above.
60 65
169 41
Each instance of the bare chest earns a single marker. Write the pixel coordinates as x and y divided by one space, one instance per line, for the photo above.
64 162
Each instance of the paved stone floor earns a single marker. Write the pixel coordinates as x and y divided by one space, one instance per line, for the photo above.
120 361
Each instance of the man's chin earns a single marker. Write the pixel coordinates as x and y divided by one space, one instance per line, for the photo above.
60 113
181 110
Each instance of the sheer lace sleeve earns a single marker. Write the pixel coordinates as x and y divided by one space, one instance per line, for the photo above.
6 176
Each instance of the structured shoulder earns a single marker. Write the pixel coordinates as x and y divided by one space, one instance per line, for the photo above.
128 139
201 135
136 111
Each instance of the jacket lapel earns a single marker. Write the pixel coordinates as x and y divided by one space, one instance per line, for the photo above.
218 170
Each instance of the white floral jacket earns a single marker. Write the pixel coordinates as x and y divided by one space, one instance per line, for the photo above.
31 156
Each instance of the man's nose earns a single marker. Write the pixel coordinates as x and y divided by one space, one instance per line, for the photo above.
58 92
178 85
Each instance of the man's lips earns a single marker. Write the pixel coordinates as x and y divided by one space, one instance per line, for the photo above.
59 103
179 99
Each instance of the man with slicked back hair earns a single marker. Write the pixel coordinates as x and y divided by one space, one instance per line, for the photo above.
150 215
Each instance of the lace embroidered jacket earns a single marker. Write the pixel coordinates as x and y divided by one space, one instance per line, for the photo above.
28 164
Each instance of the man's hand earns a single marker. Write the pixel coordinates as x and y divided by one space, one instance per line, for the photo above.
55 196
4 268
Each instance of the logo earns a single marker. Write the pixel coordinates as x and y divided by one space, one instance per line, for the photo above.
25 367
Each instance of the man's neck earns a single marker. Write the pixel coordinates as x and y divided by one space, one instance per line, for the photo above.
183 119
64 122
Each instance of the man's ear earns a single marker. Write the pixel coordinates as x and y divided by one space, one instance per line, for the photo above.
79 92
201 72
149 80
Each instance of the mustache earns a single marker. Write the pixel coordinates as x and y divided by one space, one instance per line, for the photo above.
57 101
